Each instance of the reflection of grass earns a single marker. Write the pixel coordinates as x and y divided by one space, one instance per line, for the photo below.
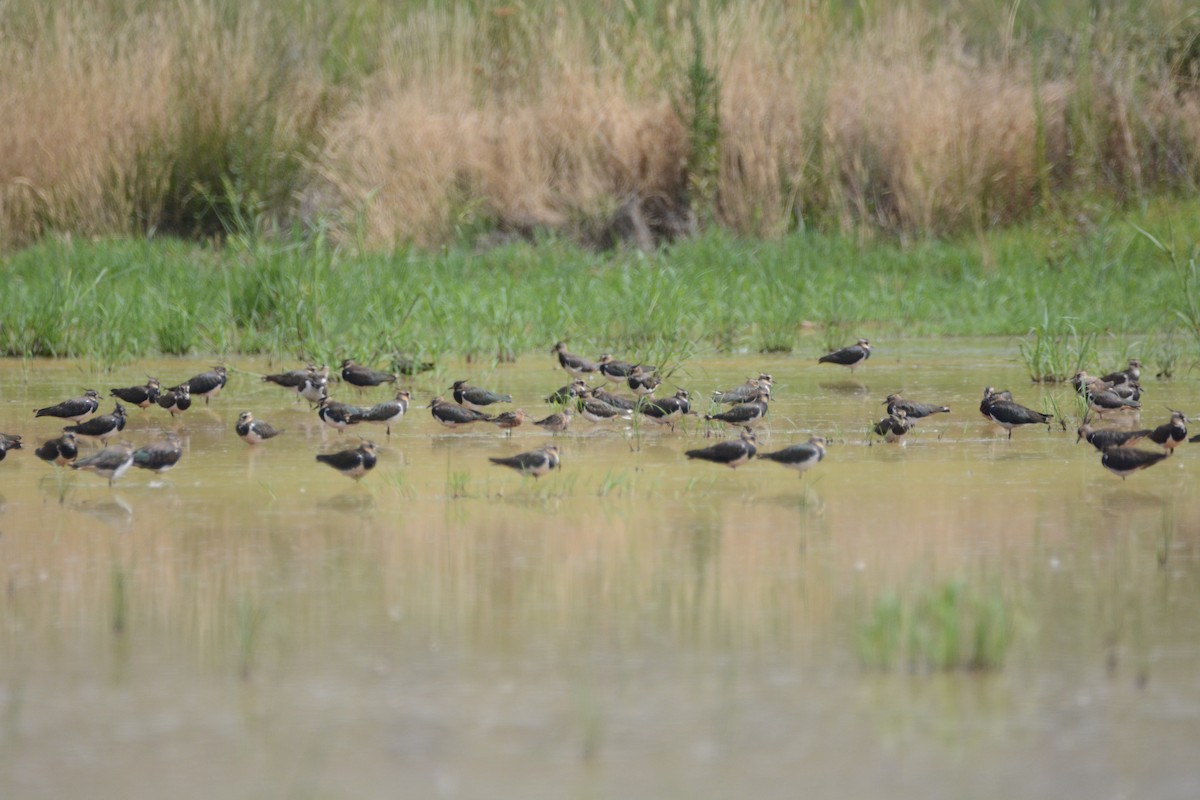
457 484
120 599
249 617
951 627
612 482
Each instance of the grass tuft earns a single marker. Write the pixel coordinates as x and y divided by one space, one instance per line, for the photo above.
948 628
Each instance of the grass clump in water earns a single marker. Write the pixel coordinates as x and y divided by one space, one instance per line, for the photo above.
1054 352
948 628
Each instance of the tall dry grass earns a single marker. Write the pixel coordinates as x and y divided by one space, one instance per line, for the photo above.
394 124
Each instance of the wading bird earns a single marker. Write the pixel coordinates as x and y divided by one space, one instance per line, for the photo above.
140 396
452 415
103 427
850 356
111 462
476 398
253 431
206 384
60 451
534 462
74 409
799 457
912 409
352 463
578 366
1125 461
732 452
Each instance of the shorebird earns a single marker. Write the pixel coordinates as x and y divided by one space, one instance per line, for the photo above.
893 427
913 409
641 381
1104 438
111 462
206 384
293 379
744 415
177 400
452 415
102 427
616 401
388 412
140 396
850 356
1171 434
799 457
746 392
668 409
308 383
352 463
1131 374
364 377
1125 461
1103 399
732 452
990 396
617 371
534 462
339 415
595 410
564 394
1009 415
315 388
557 423
509 420
253 431
577 366
9 441
476 398
159 456
60 451
1086 385
74 409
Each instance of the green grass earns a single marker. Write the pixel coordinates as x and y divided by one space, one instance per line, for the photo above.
950 627
123 299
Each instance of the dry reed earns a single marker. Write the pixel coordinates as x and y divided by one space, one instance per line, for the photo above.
424 126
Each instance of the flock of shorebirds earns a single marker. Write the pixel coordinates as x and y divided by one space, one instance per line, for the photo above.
1117 393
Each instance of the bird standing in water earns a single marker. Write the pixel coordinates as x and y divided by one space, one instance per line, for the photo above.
159 456
850 356
103 427
74 409
731 453
352 463
9 441
111 462
206 384
253 431
800 457
60 451
1124 461
577 366
140 396
894 426
534 462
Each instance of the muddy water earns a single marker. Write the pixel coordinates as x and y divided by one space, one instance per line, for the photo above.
252 624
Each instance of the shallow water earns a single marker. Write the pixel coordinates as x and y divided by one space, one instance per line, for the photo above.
252 624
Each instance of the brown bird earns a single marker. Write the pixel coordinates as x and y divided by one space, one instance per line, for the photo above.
509 420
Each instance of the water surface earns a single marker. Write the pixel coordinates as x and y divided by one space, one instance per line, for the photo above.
252 624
